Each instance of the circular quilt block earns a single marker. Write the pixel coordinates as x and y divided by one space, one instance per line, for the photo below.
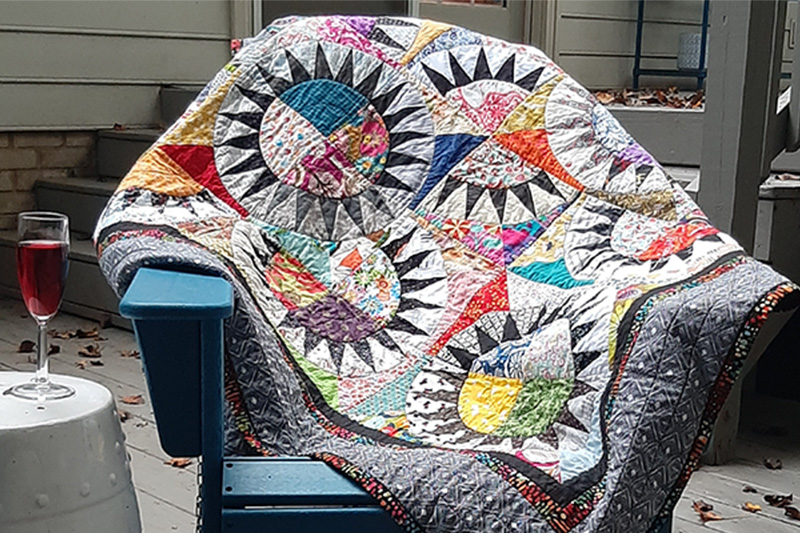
324 140
353 308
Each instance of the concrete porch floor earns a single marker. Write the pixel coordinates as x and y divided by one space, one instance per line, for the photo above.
166 494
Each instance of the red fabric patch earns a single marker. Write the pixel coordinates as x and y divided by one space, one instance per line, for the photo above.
198 162
492 297
531 145
677 239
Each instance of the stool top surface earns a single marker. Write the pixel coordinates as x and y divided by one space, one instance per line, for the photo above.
16 413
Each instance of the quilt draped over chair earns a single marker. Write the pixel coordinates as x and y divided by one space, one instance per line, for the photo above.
458 279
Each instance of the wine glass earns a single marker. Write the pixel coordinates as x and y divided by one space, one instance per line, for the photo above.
42 248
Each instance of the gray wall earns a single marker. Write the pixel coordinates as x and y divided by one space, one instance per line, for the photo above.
83 64
273 9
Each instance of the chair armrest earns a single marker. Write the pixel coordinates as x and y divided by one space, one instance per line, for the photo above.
177 318
168 295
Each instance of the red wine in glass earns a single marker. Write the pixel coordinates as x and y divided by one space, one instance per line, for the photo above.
42 249
42 271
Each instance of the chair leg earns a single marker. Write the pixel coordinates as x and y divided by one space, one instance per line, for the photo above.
212 438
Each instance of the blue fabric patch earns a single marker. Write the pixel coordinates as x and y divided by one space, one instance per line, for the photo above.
327 104
551 273
448 150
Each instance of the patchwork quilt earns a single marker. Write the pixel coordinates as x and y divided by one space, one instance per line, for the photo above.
458 279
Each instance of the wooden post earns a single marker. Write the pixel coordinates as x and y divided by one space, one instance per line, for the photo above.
742 91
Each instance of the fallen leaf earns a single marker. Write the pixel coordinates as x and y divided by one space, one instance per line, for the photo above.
130 353
748 488
792 512
787 177
26 346
90 350
96 362
704 510
709 515
135 399
178 462
119 127
777 500
54 348
124 415
702 507
773 463
61 334
751 507
604 97
87 334
82 364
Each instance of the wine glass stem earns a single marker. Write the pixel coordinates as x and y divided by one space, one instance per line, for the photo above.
42 365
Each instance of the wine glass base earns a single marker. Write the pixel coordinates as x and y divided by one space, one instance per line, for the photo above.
40 391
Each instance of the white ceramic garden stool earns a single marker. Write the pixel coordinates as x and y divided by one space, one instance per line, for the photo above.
64 468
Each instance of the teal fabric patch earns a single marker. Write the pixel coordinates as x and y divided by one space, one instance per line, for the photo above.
551 273
327 104
392 397
314 255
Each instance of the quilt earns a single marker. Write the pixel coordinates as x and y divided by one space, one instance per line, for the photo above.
458 279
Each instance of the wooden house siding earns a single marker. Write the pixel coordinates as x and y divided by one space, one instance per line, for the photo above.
83 64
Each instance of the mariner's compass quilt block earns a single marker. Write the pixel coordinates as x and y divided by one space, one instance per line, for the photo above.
458 279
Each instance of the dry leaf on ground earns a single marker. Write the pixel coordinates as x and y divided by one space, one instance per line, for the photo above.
82 364
130 353
135 399
54 349
61 334
90 350
751 507
178 462
669 97
701 506
778 500
96 362
88 333
773 463
26 346
792 512
124 415
748 488
705 511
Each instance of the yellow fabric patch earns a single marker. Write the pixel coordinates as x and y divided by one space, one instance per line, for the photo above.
529 114
486 401
157 172
428 31
198 128
659 204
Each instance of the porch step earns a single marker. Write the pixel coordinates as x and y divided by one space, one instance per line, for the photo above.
81 199
118 150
